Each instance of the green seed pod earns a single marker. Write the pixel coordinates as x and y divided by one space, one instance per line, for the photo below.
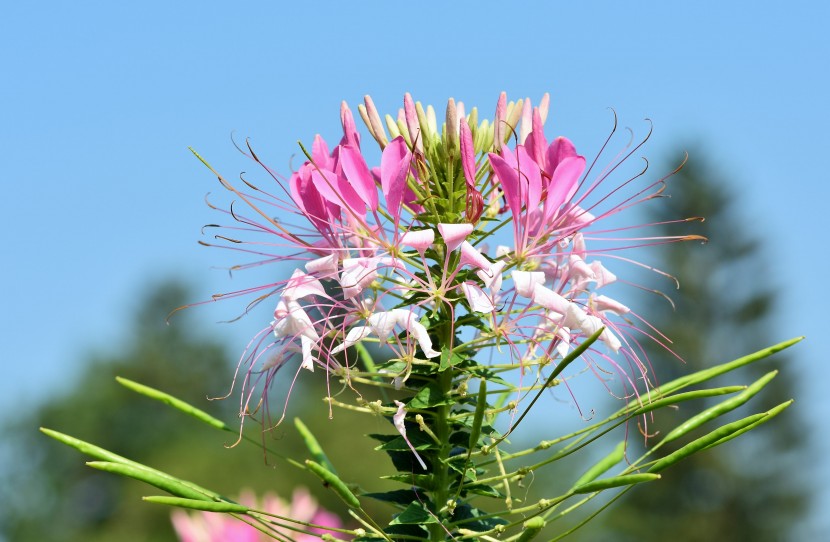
603 465
207 506
149 476
313 446
481 406
174 402
704 441
531 529
616 481
331 480
720 409
688 396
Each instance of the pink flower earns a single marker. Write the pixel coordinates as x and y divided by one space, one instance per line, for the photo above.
383 246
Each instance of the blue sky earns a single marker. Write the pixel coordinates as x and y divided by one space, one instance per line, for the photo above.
100 100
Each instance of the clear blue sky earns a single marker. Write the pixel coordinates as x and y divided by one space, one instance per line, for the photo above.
99 102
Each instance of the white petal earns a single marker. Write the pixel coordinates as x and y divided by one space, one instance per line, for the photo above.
604 303
327 265
478 300
549 299
308 360
525 281
398 421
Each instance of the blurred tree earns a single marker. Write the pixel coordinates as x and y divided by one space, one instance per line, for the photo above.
49 494
722 312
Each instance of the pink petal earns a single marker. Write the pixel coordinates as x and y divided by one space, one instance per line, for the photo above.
454 234
508 181
320 153
338 191
301 285
560 149
350 135
394 168
472 256
530 177
468 159
412 123
499 122
525 128
359 176
564 183
420 240
536 144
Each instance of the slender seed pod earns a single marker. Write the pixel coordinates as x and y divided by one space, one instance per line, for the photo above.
174 402
334 482
206 506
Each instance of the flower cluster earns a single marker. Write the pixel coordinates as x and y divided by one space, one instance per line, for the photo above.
383 252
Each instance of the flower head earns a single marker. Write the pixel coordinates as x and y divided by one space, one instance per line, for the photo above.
384 251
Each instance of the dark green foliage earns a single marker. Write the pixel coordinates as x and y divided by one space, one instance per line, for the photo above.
746 490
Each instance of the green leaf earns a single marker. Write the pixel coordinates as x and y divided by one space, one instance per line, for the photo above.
398 496
414 514
464 513
449 359
429 396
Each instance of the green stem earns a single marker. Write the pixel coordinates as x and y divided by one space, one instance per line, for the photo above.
441 464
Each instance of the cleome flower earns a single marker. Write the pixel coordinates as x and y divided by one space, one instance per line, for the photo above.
381 251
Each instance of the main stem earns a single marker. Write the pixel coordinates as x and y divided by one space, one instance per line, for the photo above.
441 491
441 476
